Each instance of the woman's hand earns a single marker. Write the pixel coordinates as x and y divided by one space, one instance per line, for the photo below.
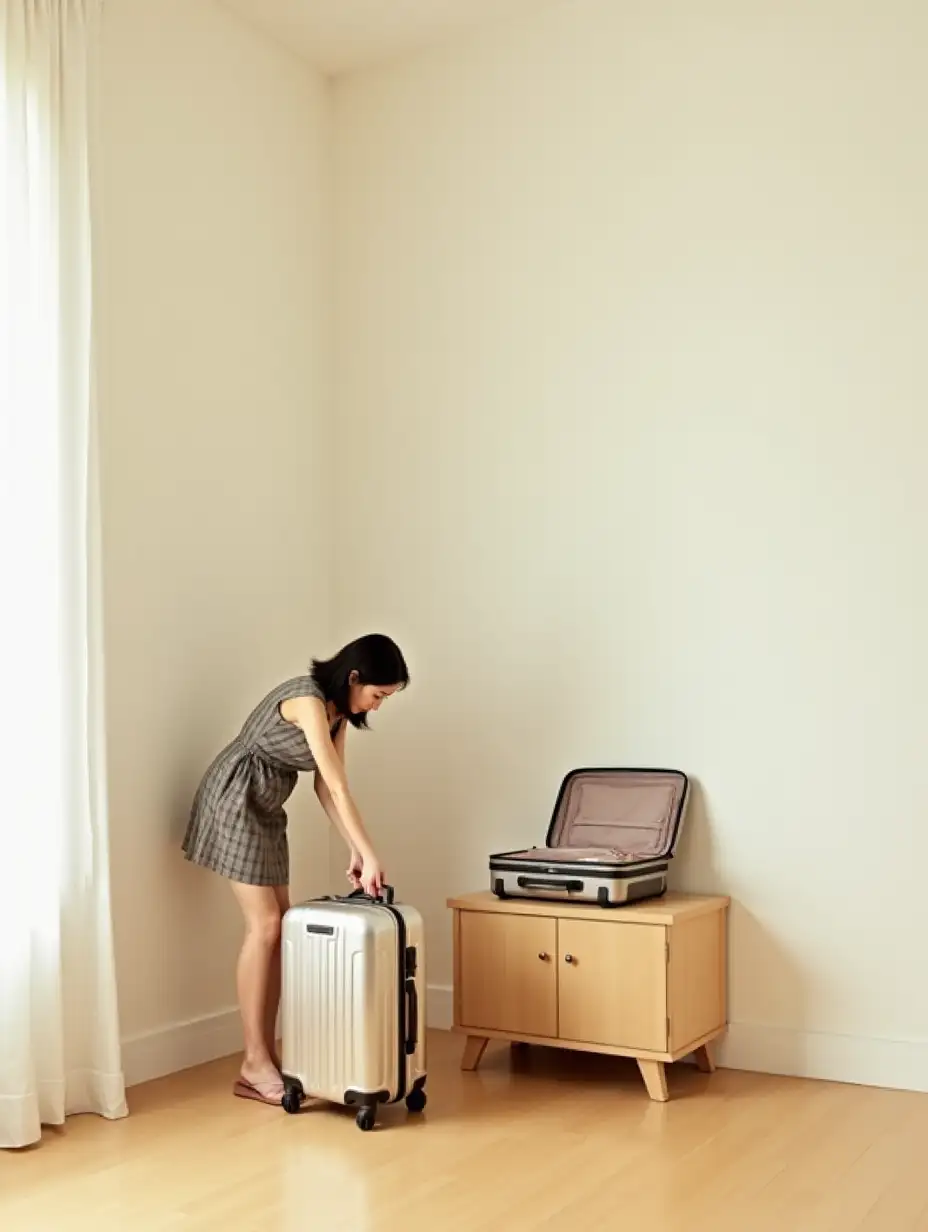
355 865
372 875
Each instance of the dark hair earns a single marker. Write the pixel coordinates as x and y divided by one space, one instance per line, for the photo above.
377 660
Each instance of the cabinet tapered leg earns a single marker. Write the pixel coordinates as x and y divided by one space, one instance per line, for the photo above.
655 1079
703 1058
473 1051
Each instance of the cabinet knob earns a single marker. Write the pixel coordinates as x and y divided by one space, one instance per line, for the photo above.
569 958
543 956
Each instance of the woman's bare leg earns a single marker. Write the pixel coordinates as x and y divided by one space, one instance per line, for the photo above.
261 910
282 894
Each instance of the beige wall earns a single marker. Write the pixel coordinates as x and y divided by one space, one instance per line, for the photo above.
631 391
213 299
629 428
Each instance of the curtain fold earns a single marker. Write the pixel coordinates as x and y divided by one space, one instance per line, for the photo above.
59 1028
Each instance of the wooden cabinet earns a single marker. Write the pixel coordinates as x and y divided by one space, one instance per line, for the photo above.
646 981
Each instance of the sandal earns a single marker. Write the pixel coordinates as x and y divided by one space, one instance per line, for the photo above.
264 1092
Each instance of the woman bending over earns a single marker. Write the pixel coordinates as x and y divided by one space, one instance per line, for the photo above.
238 824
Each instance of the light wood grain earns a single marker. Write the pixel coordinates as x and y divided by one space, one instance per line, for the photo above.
508 973
581 1046
523 1149
474 1049
456 1016
612 984
694 978
705 1062
667 910
655 1079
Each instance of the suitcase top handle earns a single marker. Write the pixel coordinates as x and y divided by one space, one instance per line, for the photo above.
385 897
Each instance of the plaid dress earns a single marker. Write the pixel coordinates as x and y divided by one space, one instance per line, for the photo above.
238 826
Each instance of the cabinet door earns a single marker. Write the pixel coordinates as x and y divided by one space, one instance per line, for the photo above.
507 974
613 984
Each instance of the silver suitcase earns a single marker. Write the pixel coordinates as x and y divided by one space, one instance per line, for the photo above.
351 1004
610 840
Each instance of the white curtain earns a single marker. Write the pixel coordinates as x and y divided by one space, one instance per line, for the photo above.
59 1033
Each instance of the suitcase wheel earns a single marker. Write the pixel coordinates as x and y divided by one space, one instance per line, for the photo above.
416 1100
293 1098
366 1118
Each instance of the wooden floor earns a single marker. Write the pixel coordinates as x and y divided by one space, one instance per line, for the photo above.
534 1140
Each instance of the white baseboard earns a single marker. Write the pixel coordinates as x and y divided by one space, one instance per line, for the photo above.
181 1045
439 1007
859 1060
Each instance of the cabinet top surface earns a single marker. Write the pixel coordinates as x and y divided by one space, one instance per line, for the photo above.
666 910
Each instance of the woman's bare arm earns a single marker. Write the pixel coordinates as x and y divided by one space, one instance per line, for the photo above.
310 715
325 796
355 862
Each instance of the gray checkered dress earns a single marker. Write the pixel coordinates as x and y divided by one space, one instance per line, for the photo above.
238 826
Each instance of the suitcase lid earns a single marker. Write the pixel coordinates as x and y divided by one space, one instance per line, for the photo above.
636 814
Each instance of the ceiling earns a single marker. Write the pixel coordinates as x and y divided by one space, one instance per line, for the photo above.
338 36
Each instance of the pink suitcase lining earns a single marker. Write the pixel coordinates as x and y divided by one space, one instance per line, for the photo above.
613 817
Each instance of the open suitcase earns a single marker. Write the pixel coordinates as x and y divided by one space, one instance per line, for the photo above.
353 974
611 839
